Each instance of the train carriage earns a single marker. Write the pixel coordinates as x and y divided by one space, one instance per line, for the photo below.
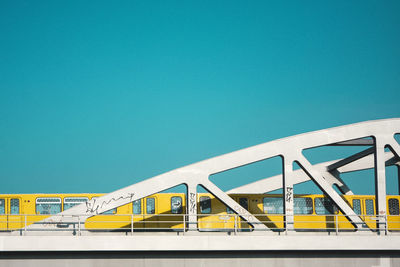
167 211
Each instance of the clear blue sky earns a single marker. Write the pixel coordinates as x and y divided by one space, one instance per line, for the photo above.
95 96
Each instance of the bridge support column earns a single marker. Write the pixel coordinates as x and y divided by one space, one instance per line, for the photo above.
191 206
288 193
380 184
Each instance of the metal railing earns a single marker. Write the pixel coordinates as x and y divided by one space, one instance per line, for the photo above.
231 223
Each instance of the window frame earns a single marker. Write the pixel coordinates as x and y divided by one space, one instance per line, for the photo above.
180 209
37 201
66 201
278 209
154 205
366 207
334 207
391 209
3 202
308 208
205 199
140 206
11 206
358 206
244 202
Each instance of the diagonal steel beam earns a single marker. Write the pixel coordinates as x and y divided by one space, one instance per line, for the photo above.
395 147
232 204
350 159
333 177
317 177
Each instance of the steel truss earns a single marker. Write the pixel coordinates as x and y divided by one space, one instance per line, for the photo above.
375 135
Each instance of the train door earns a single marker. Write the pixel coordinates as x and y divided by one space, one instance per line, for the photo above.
138 214
176 217
393 213
204 218
230 219
369 211
15 219
244 203
358 208
3 216
364 207
150 218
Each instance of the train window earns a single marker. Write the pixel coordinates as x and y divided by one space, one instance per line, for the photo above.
393 206
324 206
151 205
273 205
244 203
137 206
369 207
205 204
2 206
48 205
14 206
357 206
70 202
176 205
302 205
229 210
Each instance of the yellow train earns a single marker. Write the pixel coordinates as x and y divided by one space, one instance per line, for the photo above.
166 211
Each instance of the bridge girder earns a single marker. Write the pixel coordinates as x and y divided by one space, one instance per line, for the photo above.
290 149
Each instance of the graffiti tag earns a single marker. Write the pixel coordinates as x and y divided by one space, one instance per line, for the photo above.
93 206
289 194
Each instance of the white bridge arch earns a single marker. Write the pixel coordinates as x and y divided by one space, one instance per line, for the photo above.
375 135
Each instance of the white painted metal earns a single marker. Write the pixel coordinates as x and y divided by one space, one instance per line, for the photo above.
288 194
272 183
289 148
199 243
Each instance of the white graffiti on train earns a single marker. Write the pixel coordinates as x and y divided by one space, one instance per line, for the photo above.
93 207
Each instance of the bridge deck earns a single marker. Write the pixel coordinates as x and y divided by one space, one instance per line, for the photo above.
248 242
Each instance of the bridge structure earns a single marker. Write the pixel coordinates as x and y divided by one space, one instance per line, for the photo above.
364 246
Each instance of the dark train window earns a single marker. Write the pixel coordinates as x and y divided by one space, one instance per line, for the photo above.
151 205
302 205
273 205
137 207
176 205
70 202
324 206
229 210
369 207
244 203
2 206
48 205
393 206
205 204
14 206
357 206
